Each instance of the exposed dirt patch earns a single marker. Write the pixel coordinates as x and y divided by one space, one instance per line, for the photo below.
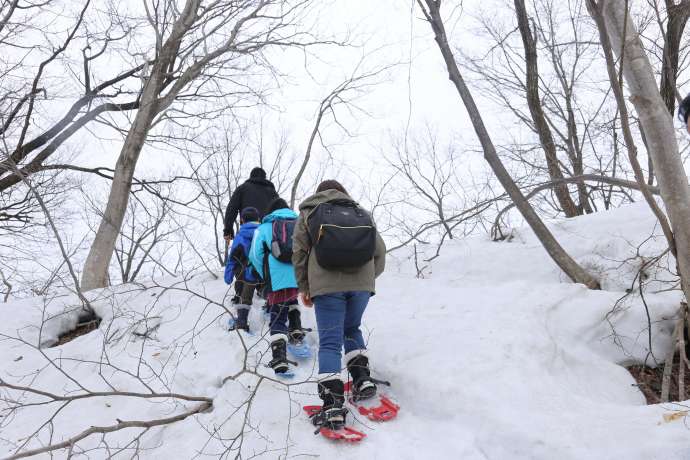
88 322
649 381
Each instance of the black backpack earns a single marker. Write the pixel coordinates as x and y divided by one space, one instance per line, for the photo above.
281 242
343 235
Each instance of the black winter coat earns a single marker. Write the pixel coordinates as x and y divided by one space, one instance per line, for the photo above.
256 193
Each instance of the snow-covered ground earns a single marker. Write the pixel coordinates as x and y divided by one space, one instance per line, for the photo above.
492 355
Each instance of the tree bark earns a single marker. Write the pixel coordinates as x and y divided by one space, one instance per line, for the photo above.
537 113
554 249
657 123
98 261
678 16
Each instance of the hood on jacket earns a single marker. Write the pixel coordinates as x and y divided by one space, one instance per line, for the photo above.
247 229
258 172
284 213
323 197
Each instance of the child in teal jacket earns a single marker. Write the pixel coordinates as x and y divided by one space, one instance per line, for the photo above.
286 324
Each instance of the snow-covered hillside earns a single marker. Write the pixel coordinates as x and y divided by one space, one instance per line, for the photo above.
492 355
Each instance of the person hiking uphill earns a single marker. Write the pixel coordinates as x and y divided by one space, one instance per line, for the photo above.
239 268
257 192
271 256
337 255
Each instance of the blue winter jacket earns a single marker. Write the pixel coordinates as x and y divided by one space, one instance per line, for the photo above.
281 274
241 245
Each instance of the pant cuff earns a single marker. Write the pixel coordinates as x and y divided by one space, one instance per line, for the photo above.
353 354
274 337
327 377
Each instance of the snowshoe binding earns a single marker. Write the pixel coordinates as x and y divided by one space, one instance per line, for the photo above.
330 418
381 409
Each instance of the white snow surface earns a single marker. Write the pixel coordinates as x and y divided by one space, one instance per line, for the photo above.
493 354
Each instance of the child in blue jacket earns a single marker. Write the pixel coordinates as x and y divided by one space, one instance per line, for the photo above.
238 267
281 285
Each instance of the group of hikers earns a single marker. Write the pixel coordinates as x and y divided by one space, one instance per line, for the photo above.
328 256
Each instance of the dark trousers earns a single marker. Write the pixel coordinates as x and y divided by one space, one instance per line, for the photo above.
279 316
245 291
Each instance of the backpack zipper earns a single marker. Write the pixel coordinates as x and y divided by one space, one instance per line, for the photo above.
321 228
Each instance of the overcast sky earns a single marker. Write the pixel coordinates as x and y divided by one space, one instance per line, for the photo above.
415 89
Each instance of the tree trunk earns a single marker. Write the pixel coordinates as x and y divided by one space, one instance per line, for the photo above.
98 261
537 113
677 19
657 123
554 249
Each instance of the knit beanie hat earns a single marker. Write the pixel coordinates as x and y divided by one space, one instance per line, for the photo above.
257 173
249 214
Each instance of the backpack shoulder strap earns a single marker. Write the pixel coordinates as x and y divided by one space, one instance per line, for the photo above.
307 218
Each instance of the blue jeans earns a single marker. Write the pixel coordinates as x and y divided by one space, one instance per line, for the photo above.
338 317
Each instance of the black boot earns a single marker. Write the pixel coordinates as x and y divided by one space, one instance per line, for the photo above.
295 331
362 385
242 319
279 363
332 414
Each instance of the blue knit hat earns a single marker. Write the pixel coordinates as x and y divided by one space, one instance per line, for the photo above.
249 214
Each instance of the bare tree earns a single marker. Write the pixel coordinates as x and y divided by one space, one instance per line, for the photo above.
535 108
344 95
144 230
655 120
429 172
544 78
617 86
28 140
431 10
216 36
7 287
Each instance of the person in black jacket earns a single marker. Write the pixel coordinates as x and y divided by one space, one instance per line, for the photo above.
684 112
257 192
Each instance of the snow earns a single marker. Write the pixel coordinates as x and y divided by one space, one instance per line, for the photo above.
493 354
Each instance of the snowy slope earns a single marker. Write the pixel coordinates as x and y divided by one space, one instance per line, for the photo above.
492 355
